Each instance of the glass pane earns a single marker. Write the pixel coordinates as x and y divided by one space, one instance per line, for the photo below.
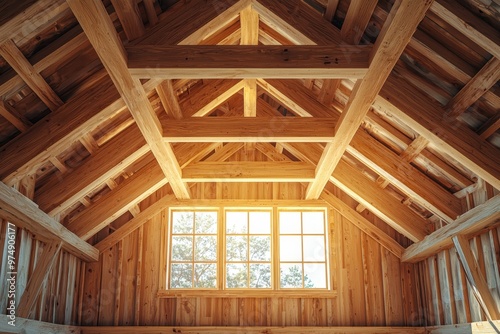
182 248
236 275
260 275
290 248
181 275
260 248
313 222
290 223
205 248
260 222
236 222
314 275
236 248
205 222
291 275
205 275
182 222
314 248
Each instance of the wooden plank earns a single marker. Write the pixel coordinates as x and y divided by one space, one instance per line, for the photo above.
32 20
404 176
253 330
24 213
471 222
193 22
241 129
248 61
128 193
250 98
130 18
168 99
49 256
102 35
51 135
425 117
356 20
468 24
297 22
363 224
486 78
248 171
28 326
16 59
490 127
483 327
395 35
108 161
476 278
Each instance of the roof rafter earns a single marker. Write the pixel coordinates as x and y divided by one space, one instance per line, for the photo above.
395 35
96 23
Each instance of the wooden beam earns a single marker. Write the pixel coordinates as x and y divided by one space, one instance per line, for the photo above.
16 59
472 222
248 171
116 155
241 129
476 278
249 20
248 61
51 135
328 89
405 176
331 8
35 284
151 12
96 23
426 117
130 18
395 35
468 24
356 20
254 330
250 98
169 99
14 118
490 127
211 95
486 78
16 208
128 193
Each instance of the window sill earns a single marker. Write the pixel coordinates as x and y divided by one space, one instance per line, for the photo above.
247 293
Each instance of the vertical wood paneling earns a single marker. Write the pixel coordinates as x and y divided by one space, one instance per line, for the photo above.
368 279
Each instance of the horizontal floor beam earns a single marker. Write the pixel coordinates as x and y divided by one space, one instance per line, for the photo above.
246 61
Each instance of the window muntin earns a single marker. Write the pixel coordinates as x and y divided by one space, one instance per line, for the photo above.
302 250
260 249
248 249
193 250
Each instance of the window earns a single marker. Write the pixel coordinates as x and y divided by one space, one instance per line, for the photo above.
257 249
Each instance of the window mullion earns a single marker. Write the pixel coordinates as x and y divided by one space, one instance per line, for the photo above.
221 242
275 256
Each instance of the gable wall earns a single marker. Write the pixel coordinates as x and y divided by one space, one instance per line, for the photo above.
373 287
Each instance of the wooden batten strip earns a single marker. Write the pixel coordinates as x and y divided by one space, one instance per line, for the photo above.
49 256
